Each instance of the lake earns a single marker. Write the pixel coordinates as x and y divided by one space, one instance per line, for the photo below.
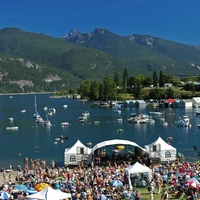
36 141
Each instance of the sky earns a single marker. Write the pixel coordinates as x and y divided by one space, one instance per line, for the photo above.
175 20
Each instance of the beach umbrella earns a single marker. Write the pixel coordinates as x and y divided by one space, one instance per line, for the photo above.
116 183
31 191
193 182
4 195
20 187
40 186
195 185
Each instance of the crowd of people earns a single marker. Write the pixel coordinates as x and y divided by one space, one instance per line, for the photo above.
106 182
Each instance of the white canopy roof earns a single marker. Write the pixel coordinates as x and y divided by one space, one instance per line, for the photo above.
138 168
162 143
115 142
73 149
49 194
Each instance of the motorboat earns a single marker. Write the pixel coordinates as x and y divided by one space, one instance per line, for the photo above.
96 122
39 120
117 111
65 106
62 137
183 121
198 125
197 112
13 128
119 119
11 119
23 111
156 113
64 124
139 118
47 123
86 114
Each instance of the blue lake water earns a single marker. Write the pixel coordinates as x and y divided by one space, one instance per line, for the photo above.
35 141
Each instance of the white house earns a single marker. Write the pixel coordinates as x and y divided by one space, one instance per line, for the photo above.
77 153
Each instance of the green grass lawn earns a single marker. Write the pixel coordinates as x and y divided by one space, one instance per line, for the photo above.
145 194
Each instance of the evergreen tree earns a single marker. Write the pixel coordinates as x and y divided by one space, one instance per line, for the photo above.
161 79
125 79
137 88
116 78
155 79
109 89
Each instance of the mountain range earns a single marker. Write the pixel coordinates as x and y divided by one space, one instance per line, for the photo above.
31 62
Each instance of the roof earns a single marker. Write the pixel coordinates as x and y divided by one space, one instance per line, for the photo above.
137 167
162 143
73 149
115 142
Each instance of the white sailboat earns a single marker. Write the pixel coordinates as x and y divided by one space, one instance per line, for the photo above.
47 122
36 114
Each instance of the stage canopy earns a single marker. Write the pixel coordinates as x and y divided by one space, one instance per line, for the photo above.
116 142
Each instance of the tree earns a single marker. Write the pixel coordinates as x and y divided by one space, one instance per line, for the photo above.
161 79
169 93
116 78
155 79
109 89
137 88
94 90
84 89
125 79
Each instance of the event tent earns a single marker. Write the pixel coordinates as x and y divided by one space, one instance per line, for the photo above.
138 168
115 142
161 150
49 194
77 153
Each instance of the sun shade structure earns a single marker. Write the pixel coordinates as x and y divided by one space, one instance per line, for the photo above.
161 150
49 194
116 142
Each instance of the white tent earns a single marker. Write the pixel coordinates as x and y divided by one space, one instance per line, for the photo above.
136 169
115 142
160 149
49 194
77 153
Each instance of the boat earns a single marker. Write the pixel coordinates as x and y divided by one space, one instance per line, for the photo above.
45 108
13 128
165 123
47 122
86 114
52 110
156 113
64 124
62 137
23 111
119 119
117 111
65 106
198 125
183 121
120 130
197 112
36 114
39 120
11 119
139 118
96 122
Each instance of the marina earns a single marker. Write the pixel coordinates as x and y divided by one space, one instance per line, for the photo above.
102 124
